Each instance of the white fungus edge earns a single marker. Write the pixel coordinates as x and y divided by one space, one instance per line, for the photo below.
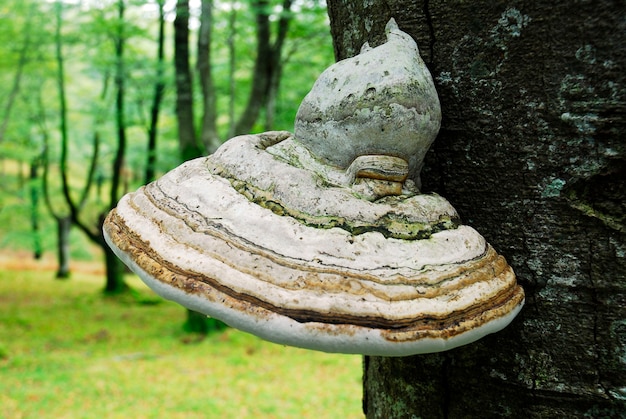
324 337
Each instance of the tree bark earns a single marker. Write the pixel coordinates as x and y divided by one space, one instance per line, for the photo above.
157 98
64 221
64 225
208 134
262 69
35 188
114 272
276 64
114 278
114 268
531 154
232 56
184 93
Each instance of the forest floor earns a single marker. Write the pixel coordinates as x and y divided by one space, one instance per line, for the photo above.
21 260
68 351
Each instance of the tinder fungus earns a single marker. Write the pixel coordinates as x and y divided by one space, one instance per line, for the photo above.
322 239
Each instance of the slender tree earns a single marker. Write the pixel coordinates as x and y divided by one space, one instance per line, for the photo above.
157 98
114 267
61 217
209 136
35 217
64 217
530 153
276 64
187 141
232 62
267 62
120 90
19 71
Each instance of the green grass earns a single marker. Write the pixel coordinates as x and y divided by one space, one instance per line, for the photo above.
68 352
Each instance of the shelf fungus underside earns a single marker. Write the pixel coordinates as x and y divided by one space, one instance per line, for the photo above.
321 239
410 280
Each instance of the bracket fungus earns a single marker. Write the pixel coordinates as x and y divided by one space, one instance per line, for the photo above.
322 239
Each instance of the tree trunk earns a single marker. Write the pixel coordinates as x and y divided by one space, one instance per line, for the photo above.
114 269
208 134
531 154
230 41
35 188
276 65
64 225
64 221
184 93
262 69
157 98
115 280
114 272
120 123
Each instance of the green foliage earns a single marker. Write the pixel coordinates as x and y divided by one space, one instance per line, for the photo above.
66 351
15 212
88 34
307 52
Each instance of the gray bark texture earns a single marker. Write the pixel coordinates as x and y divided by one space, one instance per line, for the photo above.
532 154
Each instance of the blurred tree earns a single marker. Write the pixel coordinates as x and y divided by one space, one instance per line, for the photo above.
208 131
232 63
266 73
276 63
35 217
72 214
114 267
93 230
19 70
157 99
187 141
267 65
26 42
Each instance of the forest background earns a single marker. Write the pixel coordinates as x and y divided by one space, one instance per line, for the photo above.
99 97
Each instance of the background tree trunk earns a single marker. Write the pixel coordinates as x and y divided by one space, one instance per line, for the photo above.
115 283
261 75
120 118
63 220
157 99
35 216
114 267
276 65
210 138
19 71
184 93
531 153
232 57
64 226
